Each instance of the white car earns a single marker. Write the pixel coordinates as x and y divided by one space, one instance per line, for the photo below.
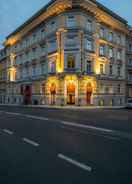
129 103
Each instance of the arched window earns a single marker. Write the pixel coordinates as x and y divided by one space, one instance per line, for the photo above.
71 61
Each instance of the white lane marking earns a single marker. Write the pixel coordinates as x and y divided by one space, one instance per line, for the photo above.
92 133
13 113
36 117
74 162
33 143
8 131
86 126
109 131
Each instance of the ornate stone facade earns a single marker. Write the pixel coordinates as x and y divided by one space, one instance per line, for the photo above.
69 53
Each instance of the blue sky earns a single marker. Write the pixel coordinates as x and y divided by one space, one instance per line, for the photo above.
14 12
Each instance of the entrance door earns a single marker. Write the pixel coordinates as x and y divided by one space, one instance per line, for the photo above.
88 93
27 95
71 94
53 93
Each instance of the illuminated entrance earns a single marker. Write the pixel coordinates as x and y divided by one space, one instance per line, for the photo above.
71 94
88 93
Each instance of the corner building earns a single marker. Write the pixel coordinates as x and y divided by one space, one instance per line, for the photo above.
71 52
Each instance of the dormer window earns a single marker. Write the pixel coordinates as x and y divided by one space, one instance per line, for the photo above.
42 30
71 21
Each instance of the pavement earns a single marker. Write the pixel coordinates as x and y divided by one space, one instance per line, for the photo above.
69 146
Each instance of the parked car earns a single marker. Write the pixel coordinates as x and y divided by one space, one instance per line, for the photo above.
129 104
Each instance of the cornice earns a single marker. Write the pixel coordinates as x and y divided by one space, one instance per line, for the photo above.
55 7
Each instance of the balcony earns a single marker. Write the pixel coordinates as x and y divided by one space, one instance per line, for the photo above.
88 73
71 70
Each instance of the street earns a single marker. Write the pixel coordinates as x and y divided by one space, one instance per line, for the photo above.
61 146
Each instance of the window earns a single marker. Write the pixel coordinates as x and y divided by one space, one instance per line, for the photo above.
89 26
130 76
27 41
102 50
34 49
71 40
43 68
101 102
52 25
102 32
130 92
110 36
119 39
119 88
71 21
111 53
52 46
89 45
101 69
42 33
71 61
111 69
89 66
119 54
33 70
118 70
27 54
34 37
130 62
52 67
130 47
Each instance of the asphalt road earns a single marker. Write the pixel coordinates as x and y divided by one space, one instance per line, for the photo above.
65 146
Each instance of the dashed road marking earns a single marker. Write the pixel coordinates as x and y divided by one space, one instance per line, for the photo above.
76 163
33 143
110 132
86 126
36 117
8 131
13 113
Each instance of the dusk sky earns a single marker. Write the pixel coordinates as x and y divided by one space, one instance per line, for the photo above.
14 12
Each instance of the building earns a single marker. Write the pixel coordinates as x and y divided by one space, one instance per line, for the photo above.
71 52
129 65
3 75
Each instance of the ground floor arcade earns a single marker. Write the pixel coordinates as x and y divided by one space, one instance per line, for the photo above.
68 90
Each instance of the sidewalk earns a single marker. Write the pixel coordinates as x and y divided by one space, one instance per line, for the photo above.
65 107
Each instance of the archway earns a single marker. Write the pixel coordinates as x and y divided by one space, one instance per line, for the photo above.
89 91
53 93
71 93
27 92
